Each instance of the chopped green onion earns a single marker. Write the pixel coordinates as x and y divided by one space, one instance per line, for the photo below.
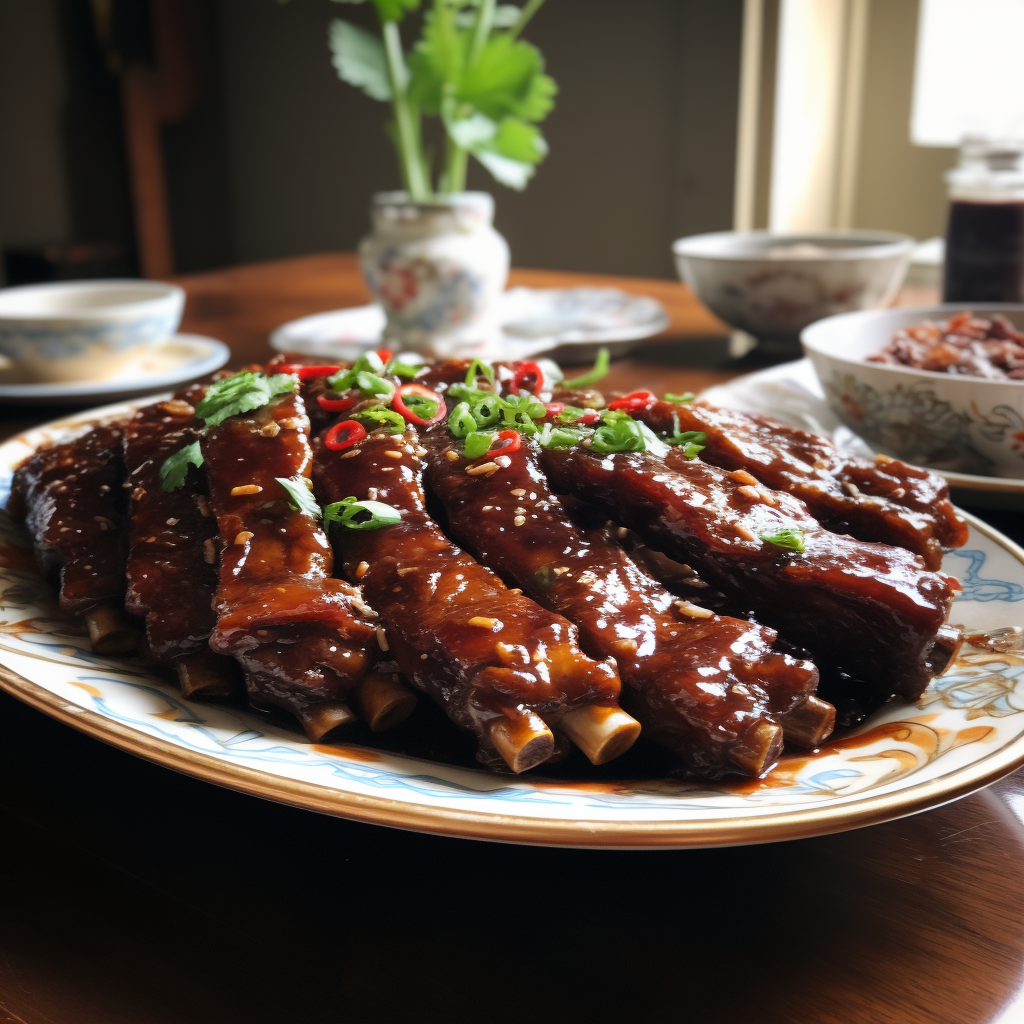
686 396
298 491
477 444
519 412
175 467
461 421
618 434
478 368
242 392
368 362
407 370
371 384
349 513
558 437
689 441
487 410
600 370
379 417
789 537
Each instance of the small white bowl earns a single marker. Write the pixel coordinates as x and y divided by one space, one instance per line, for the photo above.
84 330
773 285
947 421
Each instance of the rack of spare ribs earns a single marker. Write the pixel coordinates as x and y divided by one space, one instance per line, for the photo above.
553 567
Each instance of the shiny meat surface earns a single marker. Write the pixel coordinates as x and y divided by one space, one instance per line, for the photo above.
870 610
298 633
884 500
71 500
699 683
172 562
458 633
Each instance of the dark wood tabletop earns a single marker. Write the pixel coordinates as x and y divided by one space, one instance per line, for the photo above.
133 895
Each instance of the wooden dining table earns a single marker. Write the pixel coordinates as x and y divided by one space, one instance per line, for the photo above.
133 895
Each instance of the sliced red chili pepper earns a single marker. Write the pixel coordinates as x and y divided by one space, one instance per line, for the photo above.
634 400
384 355
553 409
295 368
589 418
523 373
336 404
354 432
507 441
398 404
308 372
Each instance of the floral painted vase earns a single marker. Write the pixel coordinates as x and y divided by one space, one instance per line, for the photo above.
436 270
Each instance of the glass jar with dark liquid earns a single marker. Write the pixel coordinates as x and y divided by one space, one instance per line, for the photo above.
985 235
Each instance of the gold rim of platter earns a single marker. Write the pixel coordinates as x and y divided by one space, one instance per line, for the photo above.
510 828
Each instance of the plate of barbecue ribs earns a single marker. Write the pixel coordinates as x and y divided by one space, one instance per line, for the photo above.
485 600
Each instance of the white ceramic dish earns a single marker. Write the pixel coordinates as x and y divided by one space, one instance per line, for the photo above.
175 361
81 330
941 420
568 323
967 731
773 285
791 392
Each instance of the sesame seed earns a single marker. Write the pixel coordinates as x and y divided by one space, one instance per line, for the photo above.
749 492
560 570
209 551
884 460
484 469
621 533
423 657
203 505
138 494
519 520
516 591
504 461
485 622
371 493
350 455
767 497
391 454
741 476
245 489
243 536
452 456
419 450
743 531
363 608
851 489
406 569
382 640
172 522
520 511
290 422
694 611
409 450
517 492
176 407
361 569
270 430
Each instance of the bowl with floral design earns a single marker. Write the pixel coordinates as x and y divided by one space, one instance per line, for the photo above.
772 284
944 420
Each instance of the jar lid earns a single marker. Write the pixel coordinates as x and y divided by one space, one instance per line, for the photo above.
989 170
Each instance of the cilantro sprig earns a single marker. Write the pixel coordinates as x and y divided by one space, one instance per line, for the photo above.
175 467
240 393
302 499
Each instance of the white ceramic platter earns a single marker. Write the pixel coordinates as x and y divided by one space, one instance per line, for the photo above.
571 323
967 731
792 393
175 361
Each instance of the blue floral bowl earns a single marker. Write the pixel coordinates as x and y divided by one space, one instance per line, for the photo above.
83 330
946 421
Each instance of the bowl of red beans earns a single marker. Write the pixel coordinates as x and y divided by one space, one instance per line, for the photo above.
942 386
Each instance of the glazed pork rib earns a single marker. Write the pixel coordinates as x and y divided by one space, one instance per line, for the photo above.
871 611
706 686
70 498
303 638
498 664
172 561
884 500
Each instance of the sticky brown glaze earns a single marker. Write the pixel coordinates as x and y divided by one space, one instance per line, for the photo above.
883 500
698 685
172 561
480 650
870 610
70 498
298 633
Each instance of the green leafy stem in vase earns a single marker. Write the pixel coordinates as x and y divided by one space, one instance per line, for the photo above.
470 68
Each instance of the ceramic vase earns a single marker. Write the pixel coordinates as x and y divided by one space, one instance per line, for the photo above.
436 269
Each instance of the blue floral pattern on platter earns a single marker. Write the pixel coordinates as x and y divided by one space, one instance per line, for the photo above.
965 716
17 341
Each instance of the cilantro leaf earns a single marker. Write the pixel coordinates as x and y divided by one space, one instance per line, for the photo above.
358 57
302 499
175 467
240 393
388 10
790 538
